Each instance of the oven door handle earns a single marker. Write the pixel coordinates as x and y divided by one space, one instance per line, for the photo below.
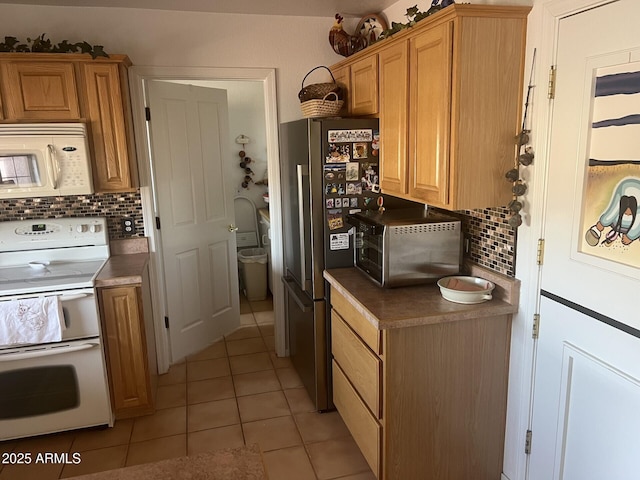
75 296
47 352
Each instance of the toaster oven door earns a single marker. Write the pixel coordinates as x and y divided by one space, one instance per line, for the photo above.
369 251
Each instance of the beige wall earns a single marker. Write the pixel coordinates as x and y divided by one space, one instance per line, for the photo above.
292 45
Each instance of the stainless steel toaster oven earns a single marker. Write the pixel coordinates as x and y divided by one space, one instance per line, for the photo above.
406 246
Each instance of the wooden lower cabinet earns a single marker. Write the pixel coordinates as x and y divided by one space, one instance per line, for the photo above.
123 323
432 403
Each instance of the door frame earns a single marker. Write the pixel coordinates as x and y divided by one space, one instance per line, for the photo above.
546 16
138 78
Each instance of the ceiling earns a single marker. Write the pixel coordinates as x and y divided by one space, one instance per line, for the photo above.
305 8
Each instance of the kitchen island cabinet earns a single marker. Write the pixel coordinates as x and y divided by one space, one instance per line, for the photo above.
47 87
421 382
450 90
125 311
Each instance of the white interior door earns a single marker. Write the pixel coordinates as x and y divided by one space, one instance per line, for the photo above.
587 372
189 136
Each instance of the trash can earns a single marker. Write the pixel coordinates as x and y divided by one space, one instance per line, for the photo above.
253 268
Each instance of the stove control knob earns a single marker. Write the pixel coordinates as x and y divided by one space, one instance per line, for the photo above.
81 228
94 228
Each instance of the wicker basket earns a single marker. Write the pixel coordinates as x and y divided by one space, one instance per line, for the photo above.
317 91
325 107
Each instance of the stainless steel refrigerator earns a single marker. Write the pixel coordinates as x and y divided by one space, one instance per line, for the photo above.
329 169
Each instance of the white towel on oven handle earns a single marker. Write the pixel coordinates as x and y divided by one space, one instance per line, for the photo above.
31 320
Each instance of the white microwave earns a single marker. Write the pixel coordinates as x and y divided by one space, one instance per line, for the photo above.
44 160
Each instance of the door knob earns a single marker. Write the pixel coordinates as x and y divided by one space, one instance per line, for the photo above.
232 228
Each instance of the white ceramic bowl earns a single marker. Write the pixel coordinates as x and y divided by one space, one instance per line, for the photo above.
468 290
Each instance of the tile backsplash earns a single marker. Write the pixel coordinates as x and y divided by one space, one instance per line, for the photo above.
492 241
113 206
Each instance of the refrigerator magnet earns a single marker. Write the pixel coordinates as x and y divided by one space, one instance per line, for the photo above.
335 220
339 241
360 150
351 174
353 202
338 203
354 189
375 144
329 202
334 172
339 154
356 135
370 177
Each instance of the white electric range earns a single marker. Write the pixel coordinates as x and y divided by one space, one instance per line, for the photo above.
60 385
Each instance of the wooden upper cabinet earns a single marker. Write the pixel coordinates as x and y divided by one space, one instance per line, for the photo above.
342 77
450 94
364 86
74 87
40 90
430 58
106 113
394 105
359 81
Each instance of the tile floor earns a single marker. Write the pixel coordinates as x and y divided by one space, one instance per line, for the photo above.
235 392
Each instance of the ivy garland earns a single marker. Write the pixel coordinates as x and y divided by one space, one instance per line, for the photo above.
41 44
414 15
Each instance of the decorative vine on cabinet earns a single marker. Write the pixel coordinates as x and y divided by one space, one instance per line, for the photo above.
449 92
50 87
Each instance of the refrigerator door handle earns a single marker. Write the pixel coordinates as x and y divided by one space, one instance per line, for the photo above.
302 171
297 294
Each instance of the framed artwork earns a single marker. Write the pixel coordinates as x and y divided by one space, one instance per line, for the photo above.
610 222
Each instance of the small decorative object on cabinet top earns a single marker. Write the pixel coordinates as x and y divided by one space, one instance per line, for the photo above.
42 44
414 15
318 91
320 99
370 27
343 43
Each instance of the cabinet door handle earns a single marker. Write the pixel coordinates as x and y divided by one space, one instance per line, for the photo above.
232 228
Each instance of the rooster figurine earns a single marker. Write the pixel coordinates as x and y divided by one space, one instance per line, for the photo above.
343 43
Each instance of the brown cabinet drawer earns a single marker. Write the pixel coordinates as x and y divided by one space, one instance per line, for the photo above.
352 317
361 366
365 430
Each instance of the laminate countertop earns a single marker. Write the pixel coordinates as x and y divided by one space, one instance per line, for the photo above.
388 308
126 264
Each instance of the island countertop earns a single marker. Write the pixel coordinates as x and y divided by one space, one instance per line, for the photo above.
388 308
